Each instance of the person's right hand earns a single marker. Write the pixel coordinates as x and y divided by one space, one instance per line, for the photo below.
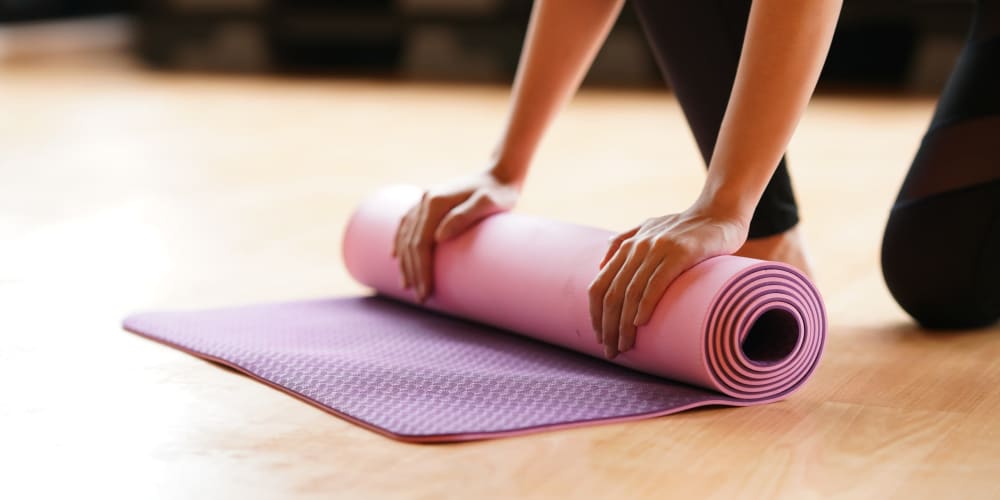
444 213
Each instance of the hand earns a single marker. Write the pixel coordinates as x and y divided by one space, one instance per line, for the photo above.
643 261
442 214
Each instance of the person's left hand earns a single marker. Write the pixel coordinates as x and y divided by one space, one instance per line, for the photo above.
643 261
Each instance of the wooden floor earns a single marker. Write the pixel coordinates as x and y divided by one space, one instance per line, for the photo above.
123 189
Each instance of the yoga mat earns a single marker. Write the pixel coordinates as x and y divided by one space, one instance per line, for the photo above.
504 346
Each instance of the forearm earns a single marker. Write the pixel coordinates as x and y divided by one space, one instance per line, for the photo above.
563 38
783 53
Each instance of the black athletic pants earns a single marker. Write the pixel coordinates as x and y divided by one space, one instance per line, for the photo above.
941 250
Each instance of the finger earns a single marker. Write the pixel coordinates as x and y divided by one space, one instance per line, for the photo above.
671 267
615 297
407 244
398 236
407 267
425 263
401 251
633 295
425 271
599 288
419 246
616 243
411 265
467 213
412 241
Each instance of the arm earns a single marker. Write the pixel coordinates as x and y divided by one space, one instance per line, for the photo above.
563 39
785 46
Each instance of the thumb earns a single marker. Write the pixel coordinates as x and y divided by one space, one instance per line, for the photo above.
463 216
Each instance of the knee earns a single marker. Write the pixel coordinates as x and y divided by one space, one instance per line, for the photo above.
939 261
931 306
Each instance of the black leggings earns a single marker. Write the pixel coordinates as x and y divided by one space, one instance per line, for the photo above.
941 250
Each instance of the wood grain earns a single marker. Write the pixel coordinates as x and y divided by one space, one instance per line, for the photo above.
125 189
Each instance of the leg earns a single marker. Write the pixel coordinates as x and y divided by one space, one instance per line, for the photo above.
702 79
942 241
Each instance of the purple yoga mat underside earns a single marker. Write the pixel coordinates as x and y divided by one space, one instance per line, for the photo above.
415 375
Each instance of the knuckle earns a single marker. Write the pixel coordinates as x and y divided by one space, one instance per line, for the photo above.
662 242
609 299
595 295
666 239
483 197
642 243
435 199
607 302
687 247
451 219
656 282
670 245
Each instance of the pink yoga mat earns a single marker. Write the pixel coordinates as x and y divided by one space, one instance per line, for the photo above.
730 331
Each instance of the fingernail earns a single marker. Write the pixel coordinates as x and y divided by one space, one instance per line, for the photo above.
623 345
610 352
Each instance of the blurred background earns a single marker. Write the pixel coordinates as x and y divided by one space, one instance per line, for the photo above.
165 154
889 44
234 134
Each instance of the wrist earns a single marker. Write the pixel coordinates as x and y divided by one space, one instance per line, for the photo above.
509 173
735 204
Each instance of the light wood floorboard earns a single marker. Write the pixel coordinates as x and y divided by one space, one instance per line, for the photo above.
124 189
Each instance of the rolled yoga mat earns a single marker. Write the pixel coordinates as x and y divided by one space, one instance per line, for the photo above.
729 331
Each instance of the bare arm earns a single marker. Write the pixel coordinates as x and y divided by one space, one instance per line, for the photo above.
563 39
785 46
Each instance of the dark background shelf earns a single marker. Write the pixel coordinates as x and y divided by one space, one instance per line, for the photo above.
878 43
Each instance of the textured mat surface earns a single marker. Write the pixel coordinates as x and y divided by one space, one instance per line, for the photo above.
414 374
729 331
